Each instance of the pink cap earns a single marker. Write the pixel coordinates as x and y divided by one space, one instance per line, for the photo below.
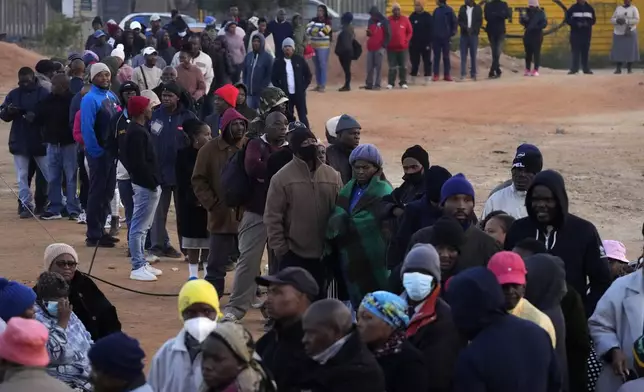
508 268
24 342
615 250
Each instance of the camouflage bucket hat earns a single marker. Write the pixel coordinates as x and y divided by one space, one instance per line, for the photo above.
271 97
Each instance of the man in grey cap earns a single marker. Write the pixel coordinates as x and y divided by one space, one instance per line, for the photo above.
348 137
290 293
292 75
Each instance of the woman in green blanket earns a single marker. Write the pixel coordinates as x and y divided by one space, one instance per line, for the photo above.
356 245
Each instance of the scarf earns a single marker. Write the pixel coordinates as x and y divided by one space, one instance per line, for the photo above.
392 346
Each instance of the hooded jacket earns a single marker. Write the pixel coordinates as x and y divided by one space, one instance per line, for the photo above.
545 289
421 23
53 115
98 107
445 23
258 69
301 74
401 33
573 239
243 108
235 45
380 31
25 137
523 359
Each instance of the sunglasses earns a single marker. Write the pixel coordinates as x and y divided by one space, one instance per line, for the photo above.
66 263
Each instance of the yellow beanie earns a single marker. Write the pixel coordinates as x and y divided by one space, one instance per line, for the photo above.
198 291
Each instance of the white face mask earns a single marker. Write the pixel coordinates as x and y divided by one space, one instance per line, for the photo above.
417 285
199 327
182 33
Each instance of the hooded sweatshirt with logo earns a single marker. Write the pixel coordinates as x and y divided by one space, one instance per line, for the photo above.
573 239
523 358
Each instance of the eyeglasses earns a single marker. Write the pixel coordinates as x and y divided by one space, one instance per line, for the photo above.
66 264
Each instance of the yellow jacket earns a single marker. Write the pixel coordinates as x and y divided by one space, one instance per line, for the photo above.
527 311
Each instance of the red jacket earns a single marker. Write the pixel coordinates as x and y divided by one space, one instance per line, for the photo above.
401 32
380 34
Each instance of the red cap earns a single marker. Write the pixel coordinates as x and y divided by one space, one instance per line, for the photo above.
508 268
228 93
137 105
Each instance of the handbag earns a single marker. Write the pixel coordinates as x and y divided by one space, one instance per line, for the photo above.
357 49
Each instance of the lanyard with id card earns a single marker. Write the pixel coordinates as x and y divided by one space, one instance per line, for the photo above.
156 127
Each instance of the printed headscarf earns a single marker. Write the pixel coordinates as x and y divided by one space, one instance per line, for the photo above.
388 307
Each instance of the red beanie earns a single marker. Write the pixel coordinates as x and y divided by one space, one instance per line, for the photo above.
137 105
228 93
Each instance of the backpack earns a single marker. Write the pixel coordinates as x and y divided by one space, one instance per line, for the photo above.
237 185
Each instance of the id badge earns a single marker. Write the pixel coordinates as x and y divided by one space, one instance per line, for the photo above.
156 127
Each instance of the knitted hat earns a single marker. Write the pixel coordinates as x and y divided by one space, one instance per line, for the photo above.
388 307
118 355
447 231
97 68
24 342
136 105
15 299
45 66
525 147
366 152
288 42
228 93
508 267
394 6
457 185
74 56
293 125
55 250
198 291
346 122
89 58
298 136
419 154
119 52
172 87
435 178
531 161
422 257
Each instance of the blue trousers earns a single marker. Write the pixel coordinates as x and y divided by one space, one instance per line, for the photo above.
102 183
62 159
441 48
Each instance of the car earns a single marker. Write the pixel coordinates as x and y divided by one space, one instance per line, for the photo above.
166 17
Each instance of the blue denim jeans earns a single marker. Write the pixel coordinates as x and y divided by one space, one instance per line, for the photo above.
62 159
321 60
469 44
21 165
145 205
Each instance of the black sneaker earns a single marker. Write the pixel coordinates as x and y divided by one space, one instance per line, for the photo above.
571 72
39 210
588 72
172 253
47 215
25 214
73 216
109 238
101 243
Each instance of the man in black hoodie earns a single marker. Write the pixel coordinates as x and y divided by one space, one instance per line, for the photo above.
421 42
573 239
581 18
53 115
496 12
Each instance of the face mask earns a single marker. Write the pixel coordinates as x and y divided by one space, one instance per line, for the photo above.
52 308
414 178
182 34
309 153
200 327
417 285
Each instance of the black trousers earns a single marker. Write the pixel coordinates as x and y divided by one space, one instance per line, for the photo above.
532 45
496 45
298 101
418 53
40 197
83 178
345 62
314 266
580 46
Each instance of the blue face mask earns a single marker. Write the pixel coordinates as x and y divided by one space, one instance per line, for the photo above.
417 285
52 308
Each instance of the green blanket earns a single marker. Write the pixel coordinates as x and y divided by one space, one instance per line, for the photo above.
355 241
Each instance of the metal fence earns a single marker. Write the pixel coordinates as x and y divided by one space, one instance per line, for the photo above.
356 6
24 18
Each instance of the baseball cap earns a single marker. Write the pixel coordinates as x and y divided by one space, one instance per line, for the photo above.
135 25
149 50
155 17
295 125
99 34
299 278
508 267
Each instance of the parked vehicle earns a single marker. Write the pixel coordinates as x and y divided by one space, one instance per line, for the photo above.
144 17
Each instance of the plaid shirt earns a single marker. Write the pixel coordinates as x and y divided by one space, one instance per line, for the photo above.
68 350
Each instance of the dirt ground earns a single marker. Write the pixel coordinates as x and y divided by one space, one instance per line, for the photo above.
588 127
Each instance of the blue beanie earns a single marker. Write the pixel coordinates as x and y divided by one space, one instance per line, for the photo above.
366 152
346 18
15 298
118 355
457 185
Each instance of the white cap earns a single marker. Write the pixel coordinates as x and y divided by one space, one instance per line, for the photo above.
155 17
135 25
152 96
149 50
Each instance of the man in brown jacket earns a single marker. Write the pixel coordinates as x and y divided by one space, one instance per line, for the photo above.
206 183
301 197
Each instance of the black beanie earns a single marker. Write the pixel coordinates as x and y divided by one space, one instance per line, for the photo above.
298 136
447 231
419 154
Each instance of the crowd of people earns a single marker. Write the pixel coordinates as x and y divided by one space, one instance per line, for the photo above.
369 287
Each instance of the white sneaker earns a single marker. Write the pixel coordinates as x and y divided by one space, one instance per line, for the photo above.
143 275
151 259
152 270
404 87
82 218
257 303
389 87
427 80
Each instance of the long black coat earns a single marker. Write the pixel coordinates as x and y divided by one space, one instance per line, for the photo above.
283 354
191 217
405 371
301 73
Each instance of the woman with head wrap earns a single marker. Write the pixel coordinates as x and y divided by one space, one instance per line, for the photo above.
69 341
382 324
354 232
230 362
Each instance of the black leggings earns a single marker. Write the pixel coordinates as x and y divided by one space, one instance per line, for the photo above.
532 45
345 62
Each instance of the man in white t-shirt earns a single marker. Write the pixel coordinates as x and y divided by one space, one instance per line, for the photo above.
148 76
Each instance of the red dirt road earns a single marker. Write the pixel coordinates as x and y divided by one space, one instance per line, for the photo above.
588 127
